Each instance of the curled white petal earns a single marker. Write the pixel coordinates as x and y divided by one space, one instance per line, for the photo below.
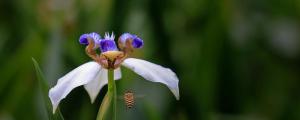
77 77
154 73
94 86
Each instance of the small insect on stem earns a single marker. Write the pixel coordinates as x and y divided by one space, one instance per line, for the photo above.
129 99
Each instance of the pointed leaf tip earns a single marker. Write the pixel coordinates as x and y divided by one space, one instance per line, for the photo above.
44 87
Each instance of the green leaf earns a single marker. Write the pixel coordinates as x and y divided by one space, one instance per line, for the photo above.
44 86
104 107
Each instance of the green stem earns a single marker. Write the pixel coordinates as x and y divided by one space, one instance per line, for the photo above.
104 107
113 91
110 97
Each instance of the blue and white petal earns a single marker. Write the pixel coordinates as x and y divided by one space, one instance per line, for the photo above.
77 77
135 41
124 37
108 45
83 39
95 36
94 87
154 73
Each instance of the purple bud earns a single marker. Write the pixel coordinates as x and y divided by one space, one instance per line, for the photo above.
84 38
137 42
124 37
108 45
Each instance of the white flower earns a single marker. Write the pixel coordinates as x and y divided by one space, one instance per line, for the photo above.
93 77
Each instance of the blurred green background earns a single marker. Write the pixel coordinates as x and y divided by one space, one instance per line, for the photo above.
236 59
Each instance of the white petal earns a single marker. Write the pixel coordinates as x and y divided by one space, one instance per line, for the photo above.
154 73
94 87
79 76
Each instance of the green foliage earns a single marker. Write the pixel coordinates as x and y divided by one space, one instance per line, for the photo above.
45 90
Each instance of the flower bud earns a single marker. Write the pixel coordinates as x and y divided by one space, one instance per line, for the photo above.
129 41
95 37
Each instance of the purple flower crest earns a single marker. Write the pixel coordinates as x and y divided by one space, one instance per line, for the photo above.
83 39
108 43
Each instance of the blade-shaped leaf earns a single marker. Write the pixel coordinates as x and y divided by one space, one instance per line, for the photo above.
44 86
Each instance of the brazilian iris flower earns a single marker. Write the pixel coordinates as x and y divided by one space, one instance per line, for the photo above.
93 75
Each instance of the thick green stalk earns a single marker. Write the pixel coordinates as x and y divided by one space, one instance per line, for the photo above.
110 97
113 91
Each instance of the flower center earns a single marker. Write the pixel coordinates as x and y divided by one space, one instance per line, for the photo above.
111 59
